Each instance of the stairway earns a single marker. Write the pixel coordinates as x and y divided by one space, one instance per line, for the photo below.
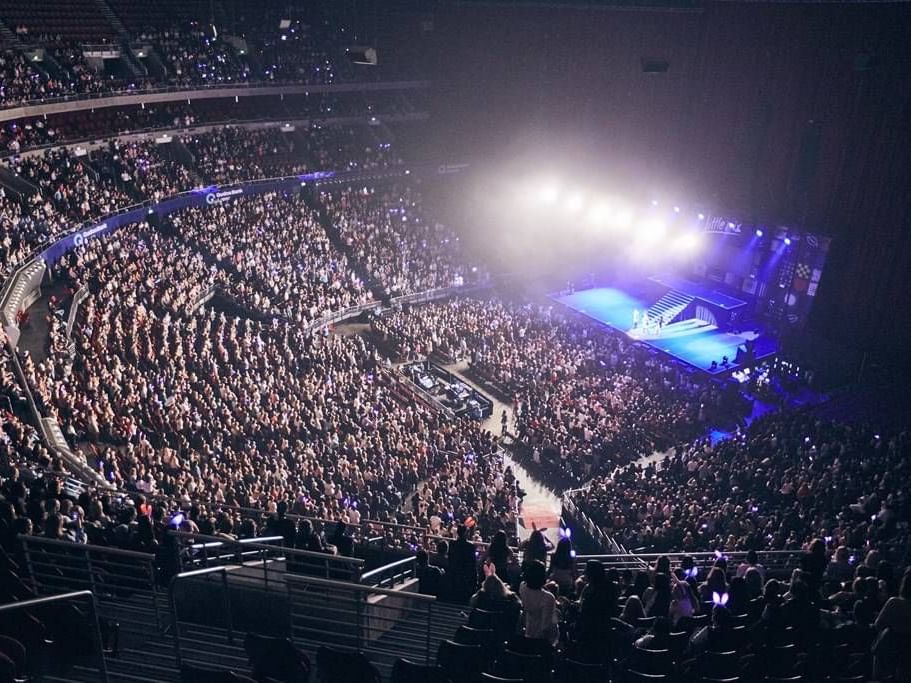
669 306
312 199
7 37
112 19
15 186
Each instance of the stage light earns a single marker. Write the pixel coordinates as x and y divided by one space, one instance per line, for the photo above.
701 216
654 202
550 192
758 232
622 217
599 213
689 242
676 209
651 231
731 225
575 202
787 241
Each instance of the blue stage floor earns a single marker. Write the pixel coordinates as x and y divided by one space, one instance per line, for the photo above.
615 307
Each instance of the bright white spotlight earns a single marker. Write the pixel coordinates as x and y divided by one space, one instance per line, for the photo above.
598 213
654 202
622 217
676 209
688 242
575 203
550 192
701 216
651 231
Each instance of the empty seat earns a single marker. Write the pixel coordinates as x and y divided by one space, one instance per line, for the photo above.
276 658
532 668
406 671
342 666
651 661
196 674
574 671
461 662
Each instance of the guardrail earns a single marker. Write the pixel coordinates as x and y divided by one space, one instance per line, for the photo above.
605 541
136 96
79 598
222 573
378 621
391 575
272 558
774 561
124 582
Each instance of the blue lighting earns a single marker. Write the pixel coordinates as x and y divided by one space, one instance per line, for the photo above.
758 232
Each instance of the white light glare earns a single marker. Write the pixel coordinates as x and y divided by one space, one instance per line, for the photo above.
651 231
575 203
549 192
688 242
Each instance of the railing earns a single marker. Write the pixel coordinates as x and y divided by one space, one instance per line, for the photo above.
206 575
94 142
270 559
378 621
391 575
605 541
125 583
78 598
774 561
128 96
434 294
78 298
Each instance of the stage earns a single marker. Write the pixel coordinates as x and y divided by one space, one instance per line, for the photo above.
692 341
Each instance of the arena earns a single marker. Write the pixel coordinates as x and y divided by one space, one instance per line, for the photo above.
451 342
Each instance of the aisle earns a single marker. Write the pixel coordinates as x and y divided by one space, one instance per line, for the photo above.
541 506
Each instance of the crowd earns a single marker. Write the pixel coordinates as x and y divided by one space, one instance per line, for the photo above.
402 249
69 186
283 262
165 397
230 154
345 146
787 479
194 56
585 400
682 622
74 187
186 54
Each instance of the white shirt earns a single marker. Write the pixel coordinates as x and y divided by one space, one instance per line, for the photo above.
540 614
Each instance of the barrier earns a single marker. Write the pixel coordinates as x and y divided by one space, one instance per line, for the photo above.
385 623
780 562
125 583
84 599
79 102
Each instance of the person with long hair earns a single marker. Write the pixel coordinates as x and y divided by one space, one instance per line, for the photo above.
500 555
563 566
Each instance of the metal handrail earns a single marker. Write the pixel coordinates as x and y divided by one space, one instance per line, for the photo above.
226 604
200 91
359 588
389 572
89 597
235 551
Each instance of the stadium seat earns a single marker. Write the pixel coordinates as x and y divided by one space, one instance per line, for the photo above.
405 671
461 662
276 658
341 666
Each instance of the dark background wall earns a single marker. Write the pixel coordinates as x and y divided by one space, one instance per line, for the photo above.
795 113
